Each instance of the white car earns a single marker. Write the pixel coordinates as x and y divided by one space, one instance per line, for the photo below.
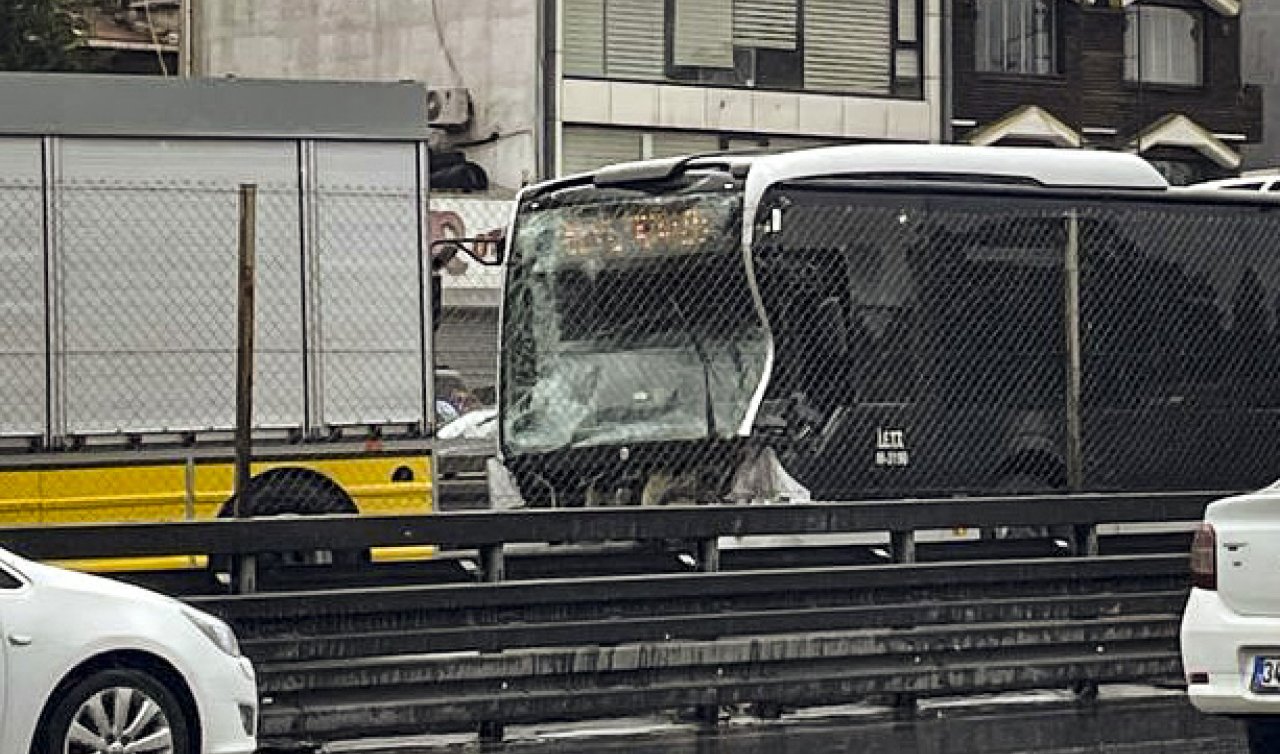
89 665
480 424
1231 627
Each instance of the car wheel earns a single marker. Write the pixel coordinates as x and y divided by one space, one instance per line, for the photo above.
1263 734
119 711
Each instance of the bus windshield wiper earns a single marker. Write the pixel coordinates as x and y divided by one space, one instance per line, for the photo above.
705 359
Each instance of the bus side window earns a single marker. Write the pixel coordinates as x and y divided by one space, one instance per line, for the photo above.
804 291
1152 324
884 343
893 355
991 282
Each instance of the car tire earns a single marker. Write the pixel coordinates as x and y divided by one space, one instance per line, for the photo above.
1263 734
119 705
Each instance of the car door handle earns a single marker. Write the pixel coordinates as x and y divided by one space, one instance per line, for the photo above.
19 640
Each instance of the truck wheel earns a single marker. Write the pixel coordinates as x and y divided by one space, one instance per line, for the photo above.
296 492
291 491
1022 483
1263 734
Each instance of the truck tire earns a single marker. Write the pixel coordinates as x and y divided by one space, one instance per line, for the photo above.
1022 483
294 492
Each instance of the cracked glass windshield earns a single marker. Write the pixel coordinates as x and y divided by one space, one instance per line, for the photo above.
630 317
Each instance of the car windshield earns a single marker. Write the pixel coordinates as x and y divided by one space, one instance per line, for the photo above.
629 319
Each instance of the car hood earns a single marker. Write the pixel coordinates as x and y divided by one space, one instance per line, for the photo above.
46 577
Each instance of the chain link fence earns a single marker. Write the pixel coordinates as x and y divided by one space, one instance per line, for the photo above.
22 329
466 342
142 296
888 344
118 343
870 344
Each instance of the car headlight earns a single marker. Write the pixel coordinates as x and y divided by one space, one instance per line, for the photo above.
218 632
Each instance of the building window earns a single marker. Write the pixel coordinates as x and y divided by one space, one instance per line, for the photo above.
855 46
1163 45
586 148
907 75
1016 36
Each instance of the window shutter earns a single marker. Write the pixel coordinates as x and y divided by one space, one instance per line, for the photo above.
703 33
768 24
588 148
1162 45
635 33
908 20
907 64
846 45
676 143
786 144
584 37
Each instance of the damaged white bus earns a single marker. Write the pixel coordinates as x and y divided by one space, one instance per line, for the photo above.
886 321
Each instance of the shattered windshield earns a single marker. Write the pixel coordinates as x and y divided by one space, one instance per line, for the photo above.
629 319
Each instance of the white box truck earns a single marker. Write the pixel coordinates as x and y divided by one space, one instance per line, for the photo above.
118 226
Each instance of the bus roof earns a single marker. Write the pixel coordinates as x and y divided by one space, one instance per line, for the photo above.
1061 168
1050 167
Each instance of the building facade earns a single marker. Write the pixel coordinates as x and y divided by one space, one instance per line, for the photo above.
481 56
1157 77
650 78
529 89
481 61
1260 21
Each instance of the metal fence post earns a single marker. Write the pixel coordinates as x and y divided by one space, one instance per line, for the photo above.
493 563
493 569
708 554
1071 310
1084 540
426 273
902 546
245 578
189 488
707 551
1084 537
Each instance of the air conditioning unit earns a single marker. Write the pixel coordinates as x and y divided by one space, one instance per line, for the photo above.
448 108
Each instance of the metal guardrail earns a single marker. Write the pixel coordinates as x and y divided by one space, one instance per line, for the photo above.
384 660
489 617
480 529
413 660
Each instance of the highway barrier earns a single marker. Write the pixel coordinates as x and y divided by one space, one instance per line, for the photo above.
684 621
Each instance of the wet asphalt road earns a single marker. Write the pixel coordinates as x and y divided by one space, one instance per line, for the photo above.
1119 723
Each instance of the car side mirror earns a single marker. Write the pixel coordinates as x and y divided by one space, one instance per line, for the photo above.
437 300
489 251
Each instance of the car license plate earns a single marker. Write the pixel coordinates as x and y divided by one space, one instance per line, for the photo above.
1266 675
